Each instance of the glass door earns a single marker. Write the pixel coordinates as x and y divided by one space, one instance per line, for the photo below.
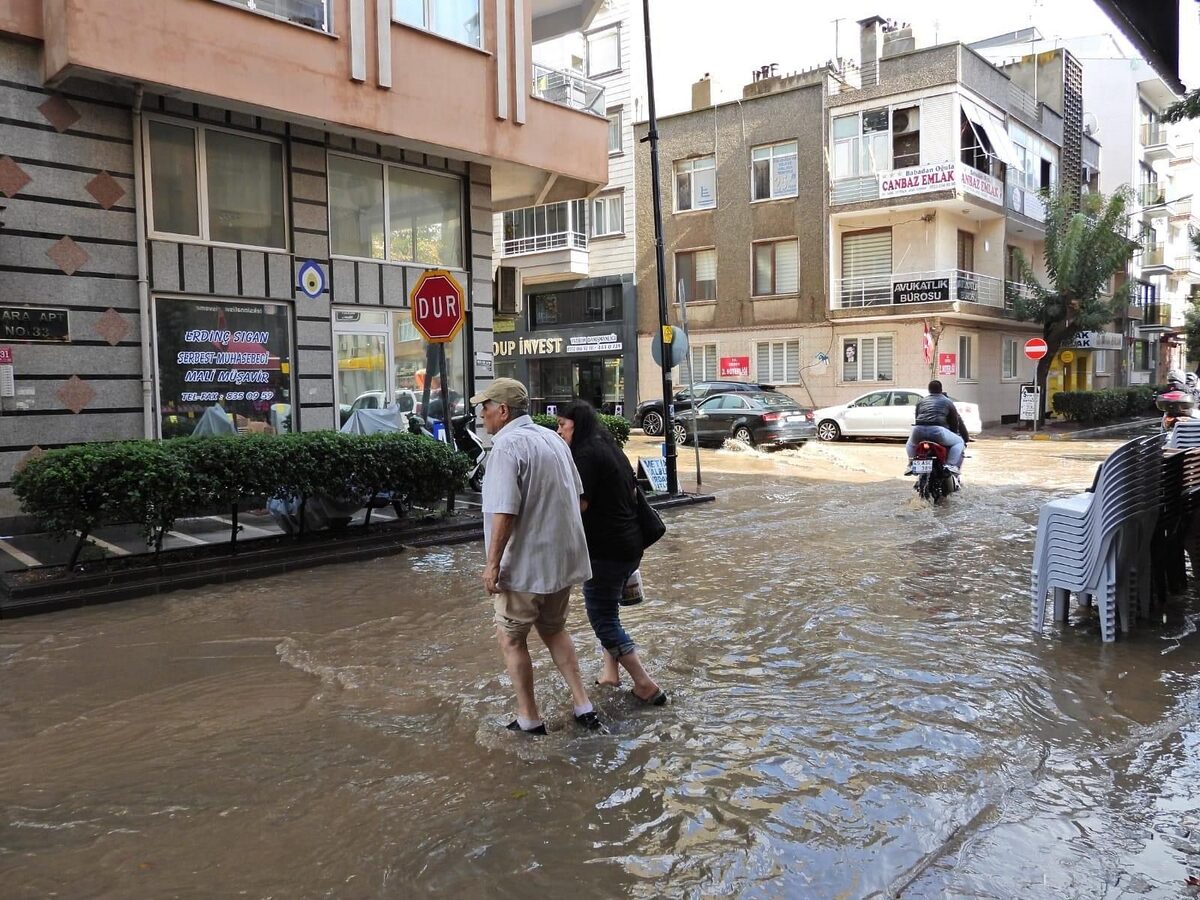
361 372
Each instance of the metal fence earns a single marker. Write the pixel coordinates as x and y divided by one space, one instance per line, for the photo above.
914 288
568 89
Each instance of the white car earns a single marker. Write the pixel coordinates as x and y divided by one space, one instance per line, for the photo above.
883 414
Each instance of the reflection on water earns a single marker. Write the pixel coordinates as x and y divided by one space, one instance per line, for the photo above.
859 708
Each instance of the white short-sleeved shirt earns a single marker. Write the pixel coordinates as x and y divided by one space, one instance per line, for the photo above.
530 474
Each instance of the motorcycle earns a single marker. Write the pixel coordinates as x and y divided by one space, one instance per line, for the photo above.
1175 405
934 480
468 441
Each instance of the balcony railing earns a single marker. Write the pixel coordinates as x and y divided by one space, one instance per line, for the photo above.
1156 315
313 13
912 288
1020 100
1153 134
1154 256
552 226
568 89
1151 193
1186 263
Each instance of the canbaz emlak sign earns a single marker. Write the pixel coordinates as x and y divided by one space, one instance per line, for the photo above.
917 180
926 290
734 367
981 185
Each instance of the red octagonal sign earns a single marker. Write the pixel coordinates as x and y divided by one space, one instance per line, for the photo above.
1035 348
437 306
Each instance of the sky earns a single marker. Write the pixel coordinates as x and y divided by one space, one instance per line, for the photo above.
730 38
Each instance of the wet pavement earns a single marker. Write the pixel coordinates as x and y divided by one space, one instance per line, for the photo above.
859 708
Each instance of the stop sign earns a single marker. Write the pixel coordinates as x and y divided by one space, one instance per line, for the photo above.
437 306
1035 348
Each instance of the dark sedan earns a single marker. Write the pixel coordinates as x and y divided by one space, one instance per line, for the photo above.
757 418
649 416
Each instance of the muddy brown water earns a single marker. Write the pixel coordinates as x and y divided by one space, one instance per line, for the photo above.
859 709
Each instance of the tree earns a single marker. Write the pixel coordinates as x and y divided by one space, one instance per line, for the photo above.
1187 108
1087 243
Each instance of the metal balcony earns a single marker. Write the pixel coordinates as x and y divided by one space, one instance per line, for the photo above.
1155 260
1155 141
919 288
1156 317
552 226
1152 197
568 89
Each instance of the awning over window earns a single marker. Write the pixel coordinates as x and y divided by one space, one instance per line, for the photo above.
993 127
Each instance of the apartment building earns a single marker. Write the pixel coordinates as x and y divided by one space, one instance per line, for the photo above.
1123 103
225 202
566 324
847 213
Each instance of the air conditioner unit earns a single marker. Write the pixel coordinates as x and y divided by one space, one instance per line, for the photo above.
906 121
506 291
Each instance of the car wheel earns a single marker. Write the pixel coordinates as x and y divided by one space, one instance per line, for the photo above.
828 430
652 423
681 433
742 435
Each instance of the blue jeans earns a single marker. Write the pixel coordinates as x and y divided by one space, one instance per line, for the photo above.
602 599
937 434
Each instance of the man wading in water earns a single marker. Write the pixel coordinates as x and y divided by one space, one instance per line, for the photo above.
535 544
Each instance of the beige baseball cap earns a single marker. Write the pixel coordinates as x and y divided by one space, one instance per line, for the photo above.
507 391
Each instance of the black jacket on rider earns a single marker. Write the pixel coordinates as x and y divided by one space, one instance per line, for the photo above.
938 409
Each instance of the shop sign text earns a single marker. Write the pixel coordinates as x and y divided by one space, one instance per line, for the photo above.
926 290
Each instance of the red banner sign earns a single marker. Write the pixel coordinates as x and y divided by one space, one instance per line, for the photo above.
735 366
947 363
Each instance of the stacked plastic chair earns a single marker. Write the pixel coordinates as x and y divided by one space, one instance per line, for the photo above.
1093 543
1185 434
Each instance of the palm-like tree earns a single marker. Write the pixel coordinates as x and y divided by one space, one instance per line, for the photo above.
1087 243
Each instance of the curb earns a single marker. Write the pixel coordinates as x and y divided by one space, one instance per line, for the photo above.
1087 433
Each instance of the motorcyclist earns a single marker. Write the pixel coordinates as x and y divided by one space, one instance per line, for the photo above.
1178 401
938 421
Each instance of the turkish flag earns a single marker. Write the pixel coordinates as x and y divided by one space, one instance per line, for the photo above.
927 345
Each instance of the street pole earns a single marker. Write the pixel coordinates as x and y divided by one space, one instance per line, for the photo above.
665 329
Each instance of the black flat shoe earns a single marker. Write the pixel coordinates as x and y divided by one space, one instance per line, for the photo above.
590 721
514 725
659 699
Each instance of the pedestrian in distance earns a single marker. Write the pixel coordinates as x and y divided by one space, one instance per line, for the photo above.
614 541
535 544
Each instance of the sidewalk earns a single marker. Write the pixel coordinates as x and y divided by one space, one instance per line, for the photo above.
1074 431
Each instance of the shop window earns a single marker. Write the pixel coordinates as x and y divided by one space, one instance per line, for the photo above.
867 358
776 268
392 213
1010 358
778 362
215 185
455 19
773 171
604 51
223 368
695 183
695 276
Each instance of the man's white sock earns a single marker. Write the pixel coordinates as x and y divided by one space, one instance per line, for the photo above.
528 724
586 708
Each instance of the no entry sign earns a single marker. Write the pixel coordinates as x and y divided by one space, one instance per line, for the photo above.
1035 348
437 306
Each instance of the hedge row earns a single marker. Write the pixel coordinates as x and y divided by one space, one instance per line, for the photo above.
617 426
1106 405
74 490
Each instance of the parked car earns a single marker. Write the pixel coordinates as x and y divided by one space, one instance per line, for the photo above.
884 413
649 415
766 418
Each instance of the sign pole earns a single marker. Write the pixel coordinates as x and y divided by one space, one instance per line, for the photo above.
443 373
660 265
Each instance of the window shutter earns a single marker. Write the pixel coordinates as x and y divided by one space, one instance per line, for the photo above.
762 365
792 372
762 270
938 134
883 359
867 255
787 268
866 350
706 265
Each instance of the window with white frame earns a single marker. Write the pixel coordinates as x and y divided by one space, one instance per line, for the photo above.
778 362
966 357
458 20
604 51
695 275
773 171
393 213
1010 358
704 362
608 215
776 267
861 144
615 139
1102 362
216 185
867 358
695 183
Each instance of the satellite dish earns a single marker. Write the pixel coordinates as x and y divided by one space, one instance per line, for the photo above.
1091 125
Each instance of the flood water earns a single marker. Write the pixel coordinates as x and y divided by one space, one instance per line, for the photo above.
859 708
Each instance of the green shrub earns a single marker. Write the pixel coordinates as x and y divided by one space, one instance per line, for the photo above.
617 426
1107 405
74 490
